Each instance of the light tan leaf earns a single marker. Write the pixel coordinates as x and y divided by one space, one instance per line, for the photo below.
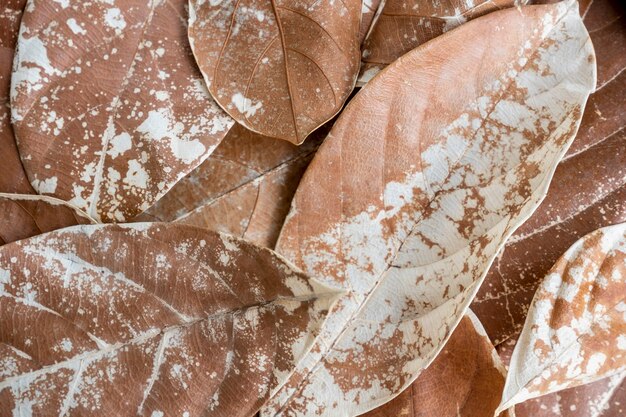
26 215
588 190
575 331
429 169
406 24
108 106
149 319
244 188
281 68
12 176
466 379
603 398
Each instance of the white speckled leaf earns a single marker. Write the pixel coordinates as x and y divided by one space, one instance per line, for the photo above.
575 331
26 215
149 319
108 106
423 177
281 68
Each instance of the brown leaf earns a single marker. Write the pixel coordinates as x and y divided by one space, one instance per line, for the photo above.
466 379
587 192
25 215
109 109
575 331
12 176
369 10
149 319
603 398
244 188
425 174
281 68
406 24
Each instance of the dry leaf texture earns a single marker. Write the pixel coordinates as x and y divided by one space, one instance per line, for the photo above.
12 175
369 9
466 379
149 319
108 106
244 188
423 177
405 24
279 67
575 332
25 215
587 192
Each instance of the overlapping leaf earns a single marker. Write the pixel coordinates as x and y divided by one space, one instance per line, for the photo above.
12 176
466 379
25 215
149 319
458 147
575 332
109 108
369 10
404 25
587 192
279 67
244 188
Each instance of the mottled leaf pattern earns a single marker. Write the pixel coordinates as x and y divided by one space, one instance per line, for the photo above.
575 332
418 199
406 24
466 379
588 190
109 109
25 215
12 176
244 188
149 319
603 398
279 67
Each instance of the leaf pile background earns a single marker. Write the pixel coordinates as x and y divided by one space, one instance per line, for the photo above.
321 208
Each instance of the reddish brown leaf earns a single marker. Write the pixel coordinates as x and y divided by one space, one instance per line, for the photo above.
281 68
575 332
406 24
109 108
423 177
244 188
12 176
25 215
151 320
587 192
466 379
369 9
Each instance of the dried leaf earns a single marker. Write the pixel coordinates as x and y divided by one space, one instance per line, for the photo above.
26 215
109 109
466 379
149 319
12 176
422 178
576 203
369 9
281 68
603 398
406 24
244 188
575 332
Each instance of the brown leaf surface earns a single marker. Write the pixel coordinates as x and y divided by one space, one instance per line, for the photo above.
109 108
587 192
368 13
575 332
281 68
466 379
149 319
603 398
406 24
25 215
424 175
12 176
244 188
